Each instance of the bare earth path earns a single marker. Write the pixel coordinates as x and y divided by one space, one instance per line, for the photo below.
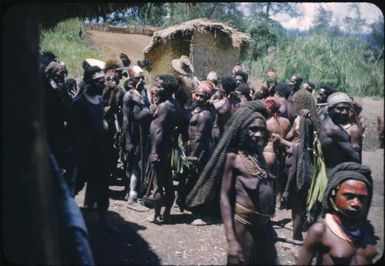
112 44
143 243
181 243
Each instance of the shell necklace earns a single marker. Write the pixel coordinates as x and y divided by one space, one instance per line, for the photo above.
252 165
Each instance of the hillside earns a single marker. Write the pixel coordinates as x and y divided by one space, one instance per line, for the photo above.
111 44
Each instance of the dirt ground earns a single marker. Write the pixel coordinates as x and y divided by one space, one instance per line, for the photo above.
142 243
180 243
111 44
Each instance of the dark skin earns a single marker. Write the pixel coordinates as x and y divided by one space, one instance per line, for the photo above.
225 107
351 201
237 179
336 145
321 103
166 118
200 124
294 84
308 87
199 135
291 163
239 79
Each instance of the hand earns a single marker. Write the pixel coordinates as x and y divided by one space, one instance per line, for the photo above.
277 137
235 250
153 108
284 200
72 92
305 112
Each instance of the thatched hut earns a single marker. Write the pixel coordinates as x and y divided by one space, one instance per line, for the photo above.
211 46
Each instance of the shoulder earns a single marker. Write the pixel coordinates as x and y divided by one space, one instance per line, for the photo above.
328 127
284 120
316 233
317 229
231 156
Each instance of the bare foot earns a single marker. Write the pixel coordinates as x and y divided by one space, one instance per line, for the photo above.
154 219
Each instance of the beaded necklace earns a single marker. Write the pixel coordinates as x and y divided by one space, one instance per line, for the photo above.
252 165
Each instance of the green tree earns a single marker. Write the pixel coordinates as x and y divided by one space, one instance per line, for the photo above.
322 19
354 24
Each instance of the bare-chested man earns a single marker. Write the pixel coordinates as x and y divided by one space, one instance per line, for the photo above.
200 144
228 105
164 131
335 141
344 236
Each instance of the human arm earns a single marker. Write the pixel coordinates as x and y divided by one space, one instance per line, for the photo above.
234 247
141 114
129 147
356 137
282 140
291 162
312 242
336 136
291 134
160 123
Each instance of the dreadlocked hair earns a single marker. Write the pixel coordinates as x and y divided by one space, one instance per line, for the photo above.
207 189
305 156
303 99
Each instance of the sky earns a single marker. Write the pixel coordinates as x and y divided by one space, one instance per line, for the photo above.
369 12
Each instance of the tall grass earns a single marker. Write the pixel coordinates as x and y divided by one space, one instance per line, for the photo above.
64 41
338 61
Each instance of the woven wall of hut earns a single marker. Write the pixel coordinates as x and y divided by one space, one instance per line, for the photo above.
212 51
162 54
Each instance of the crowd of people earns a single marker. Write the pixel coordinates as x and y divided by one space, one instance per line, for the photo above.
216 147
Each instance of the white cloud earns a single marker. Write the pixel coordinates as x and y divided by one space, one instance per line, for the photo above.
369 12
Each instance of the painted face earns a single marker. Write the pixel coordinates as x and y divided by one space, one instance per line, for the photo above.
321 96
340 113
352 199
256 132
